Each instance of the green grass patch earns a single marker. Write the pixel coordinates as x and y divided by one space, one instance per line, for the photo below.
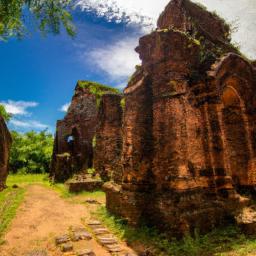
25 179
43 179
220 242
10 199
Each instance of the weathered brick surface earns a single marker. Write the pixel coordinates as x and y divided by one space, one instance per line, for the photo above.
137 130
194 20
5 145
108 143
74 135
73 146
189 126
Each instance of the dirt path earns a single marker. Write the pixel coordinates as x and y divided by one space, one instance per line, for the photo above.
42 216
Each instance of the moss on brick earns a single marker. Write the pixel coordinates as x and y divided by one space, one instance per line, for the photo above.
97 89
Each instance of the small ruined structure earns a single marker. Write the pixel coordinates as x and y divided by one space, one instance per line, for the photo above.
73 147
188 126
108 143
5 146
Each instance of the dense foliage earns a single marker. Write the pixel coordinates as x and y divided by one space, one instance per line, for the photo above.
31 152
50 16
4 114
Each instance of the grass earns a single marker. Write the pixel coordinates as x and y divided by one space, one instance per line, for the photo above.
220 242
22 179
10 199
28 179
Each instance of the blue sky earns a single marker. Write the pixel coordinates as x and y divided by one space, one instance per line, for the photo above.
44 70
38 74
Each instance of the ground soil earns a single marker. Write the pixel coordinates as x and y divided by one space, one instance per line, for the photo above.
41 217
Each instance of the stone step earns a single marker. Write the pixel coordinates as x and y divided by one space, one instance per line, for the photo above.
94 223
107 240
67 247
85 252
114 248
80 234
93 228
100 231
62 239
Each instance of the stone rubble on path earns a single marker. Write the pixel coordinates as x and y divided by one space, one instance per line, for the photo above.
66 242
106 239
80 234
62 239
67 247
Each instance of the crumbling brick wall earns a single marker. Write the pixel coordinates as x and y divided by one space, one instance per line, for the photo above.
108 140
73 147
188 125
5 146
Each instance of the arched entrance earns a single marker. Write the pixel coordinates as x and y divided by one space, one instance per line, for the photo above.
236 131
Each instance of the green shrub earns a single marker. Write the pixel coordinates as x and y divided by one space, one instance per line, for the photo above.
31 152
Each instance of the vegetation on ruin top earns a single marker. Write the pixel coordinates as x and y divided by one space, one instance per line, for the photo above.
97 89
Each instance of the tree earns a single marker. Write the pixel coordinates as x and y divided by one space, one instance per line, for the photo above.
31 152
4 114
50 16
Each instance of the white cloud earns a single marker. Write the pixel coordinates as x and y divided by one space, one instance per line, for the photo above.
146 12
18 107
130 11
29 124
19 121
65 107
116 60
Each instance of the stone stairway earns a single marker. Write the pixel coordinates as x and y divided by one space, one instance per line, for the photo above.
78 241
107 240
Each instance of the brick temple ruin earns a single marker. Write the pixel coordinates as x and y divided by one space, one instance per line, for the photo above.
184 146
73 146
5 146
